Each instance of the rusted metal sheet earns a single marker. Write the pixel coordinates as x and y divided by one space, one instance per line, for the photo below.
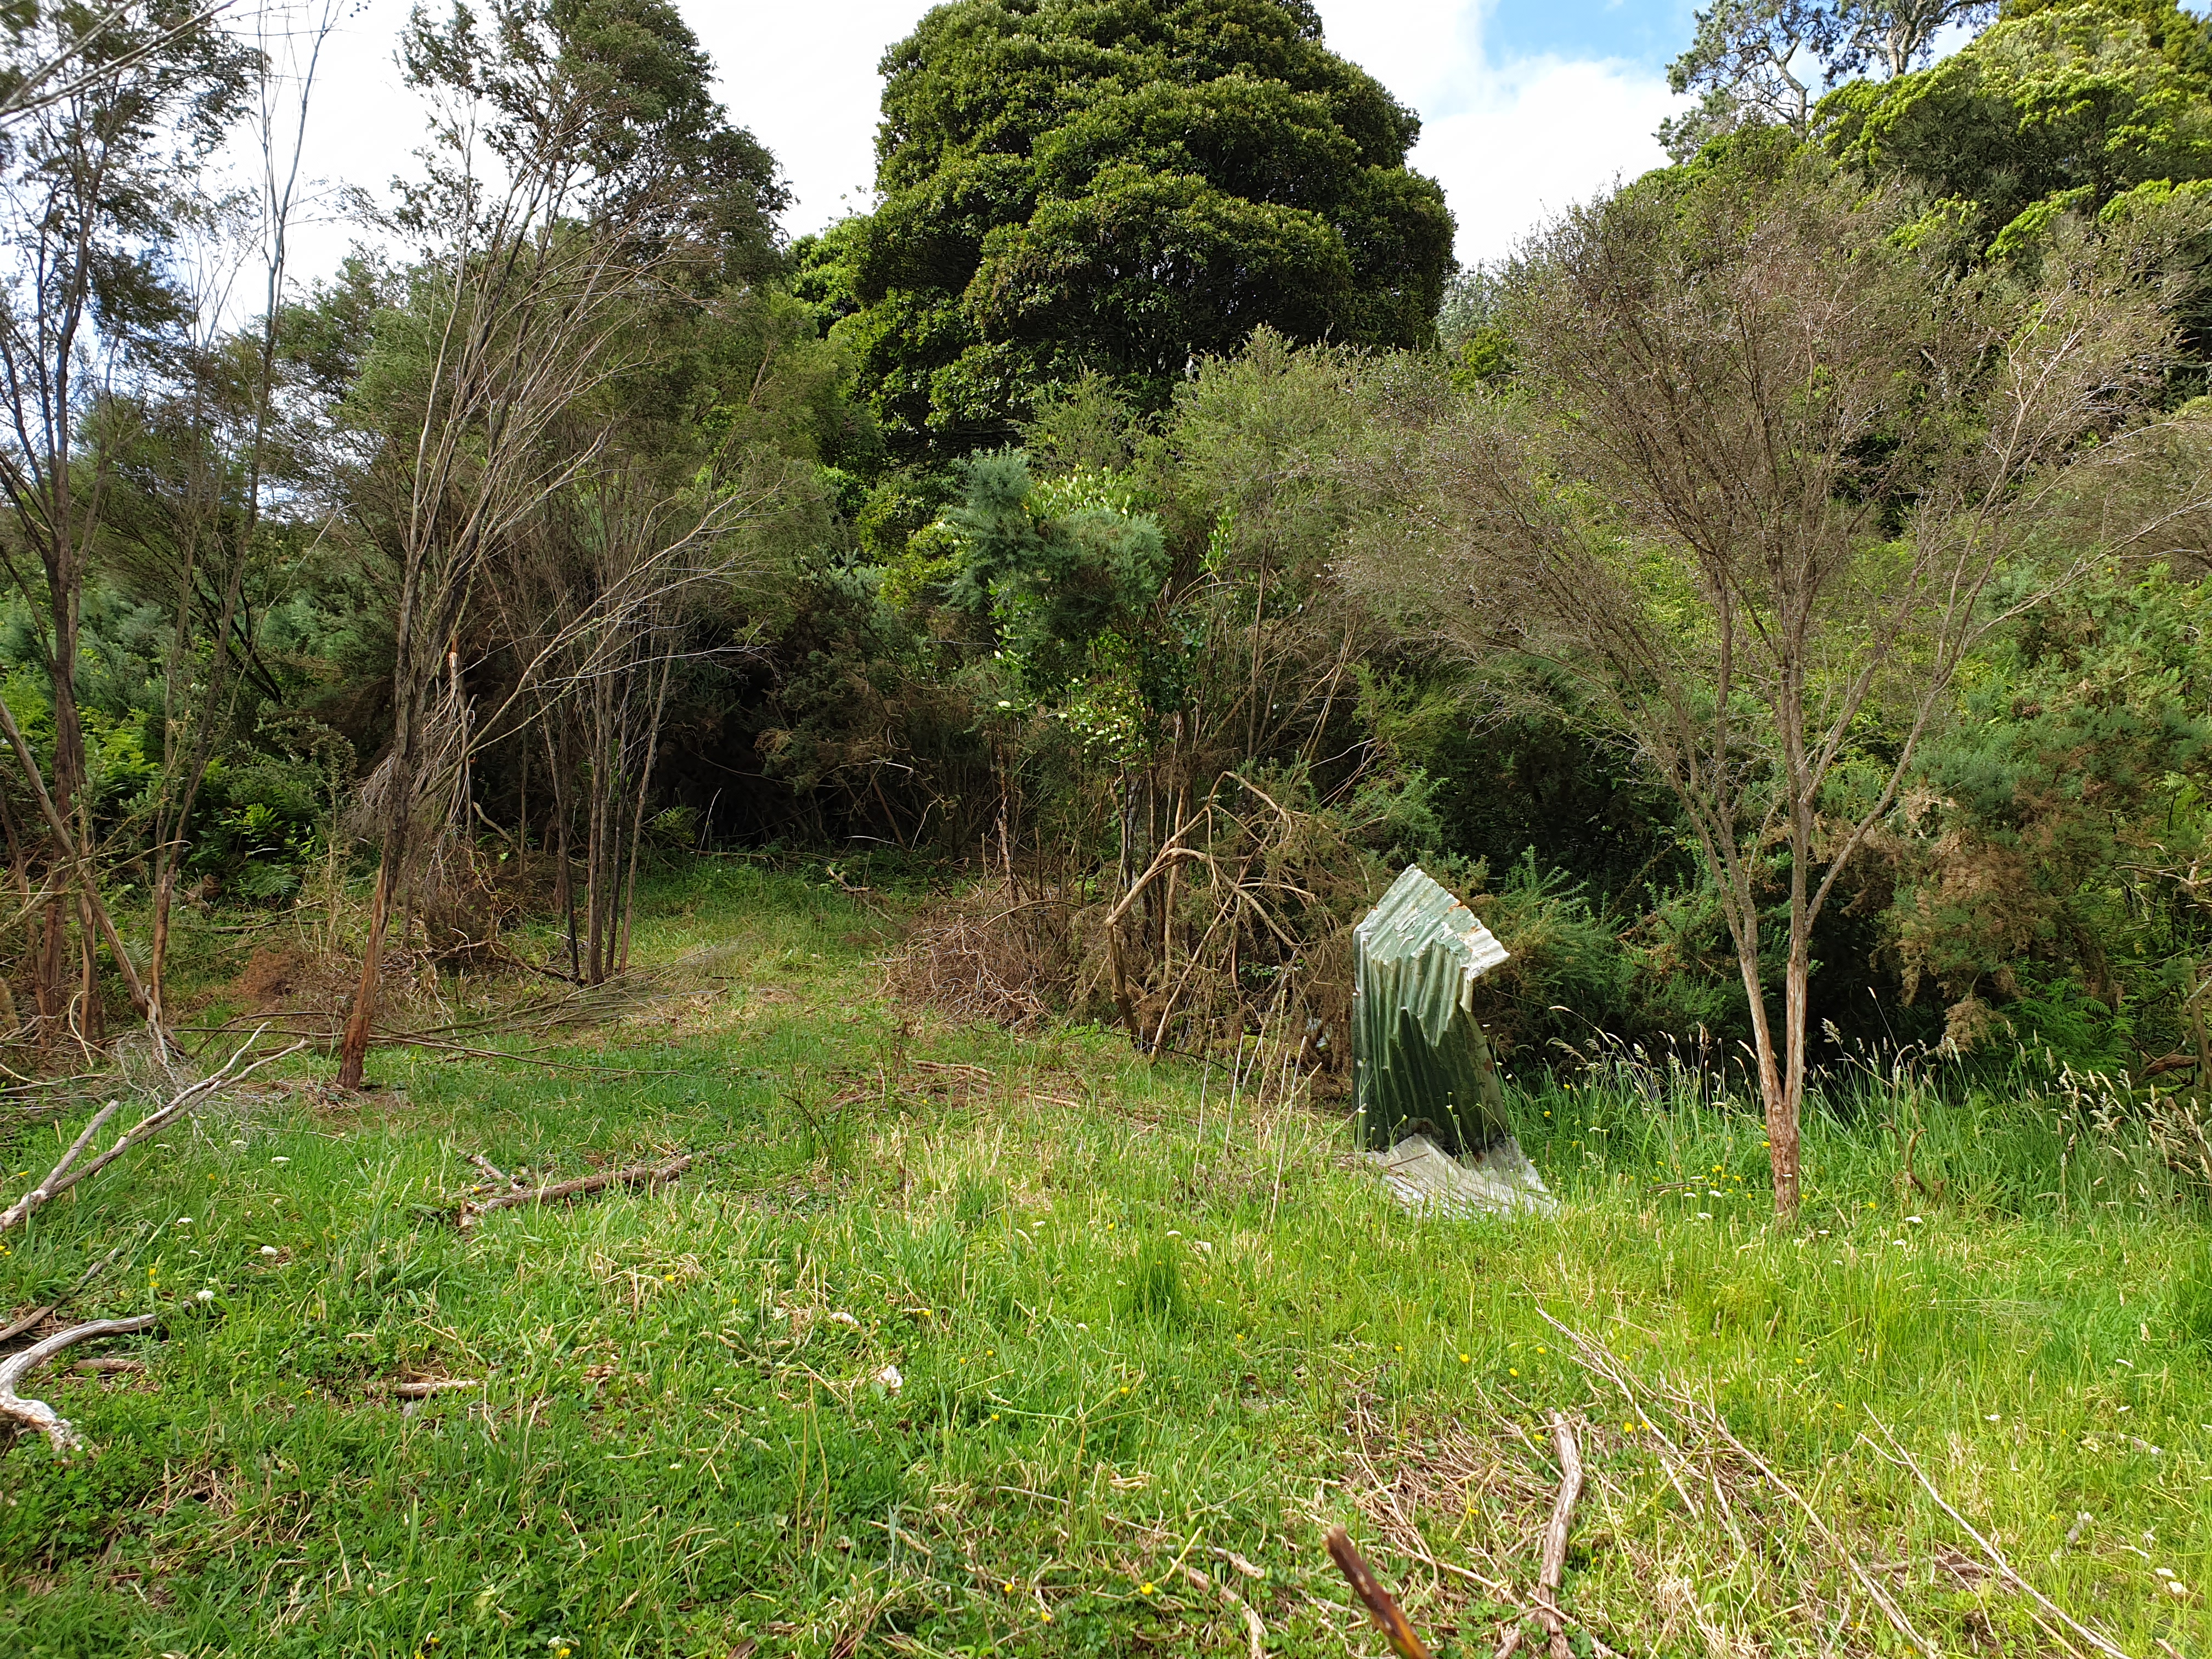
1421 1065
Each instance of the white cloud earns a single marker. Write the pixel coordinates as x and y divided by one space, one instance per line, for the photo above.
1544 135
1510 142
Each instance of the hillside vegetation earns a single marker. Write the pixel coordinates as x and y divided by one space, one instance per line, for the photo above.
719 869
1152 1333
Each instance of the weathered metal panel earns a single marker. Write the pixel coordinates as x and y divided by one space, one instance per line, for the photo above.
1420 1063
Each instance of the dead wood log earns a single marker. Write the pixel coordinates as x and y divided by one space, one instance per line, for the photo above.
491 1171
1553 1565
36 1413
2004 1569
1377 1600
651 1175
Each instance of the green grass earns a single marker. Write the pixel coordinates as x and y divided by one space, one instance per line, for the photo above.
1127 1345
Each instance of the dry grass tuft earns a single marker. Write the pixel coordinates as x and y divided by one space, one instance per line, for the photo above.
988 955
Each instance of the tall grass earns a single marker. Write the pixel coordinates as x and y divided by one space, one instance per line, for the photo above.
960 1343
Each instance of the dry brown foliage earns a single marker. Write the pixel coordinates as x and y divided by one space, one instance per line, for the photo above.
1240 927
988 954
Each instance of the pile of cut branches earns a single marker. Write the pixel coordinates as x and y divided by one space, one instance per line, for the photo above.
1236 925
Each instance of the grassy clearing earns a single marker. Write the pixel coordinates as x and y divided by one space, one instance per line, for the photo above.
1138 1335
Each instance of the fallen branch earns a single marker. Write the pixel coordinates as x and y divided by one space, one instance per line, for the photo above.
36 1413
651 1175
444 1385
1554 1560
45 1188
491 1171
67 1173
2004 1568
1380 1608
32 1318
1596 1356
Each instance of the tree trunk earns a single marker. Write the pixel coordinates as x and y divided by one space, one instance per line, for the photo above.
594 883
637 817
165 893
1781 1127
353 1050
91 1024
1777 1099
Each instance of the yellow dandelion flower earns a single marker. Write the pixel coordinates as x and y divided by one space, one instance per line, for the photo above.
1148 1589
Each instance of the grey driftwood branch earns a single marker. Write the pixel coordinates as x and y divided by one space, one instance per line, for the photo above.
68 1172
36 1413
649 1174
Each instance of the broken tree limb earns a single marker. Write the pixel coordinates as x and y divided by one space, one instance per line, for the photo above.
1600 1360
490 1171
30 1319
2005 1570
45 1189
443 1385
1369 1588
36 1413
1554 1561
651 1175
68 1173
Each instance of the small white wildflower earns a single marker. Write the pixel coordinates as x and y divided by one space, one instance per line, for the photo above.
280 1160
840 1317
205 1296
268 1249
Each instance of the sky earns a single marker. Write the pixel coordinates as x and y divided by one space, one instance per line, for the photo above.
1527 105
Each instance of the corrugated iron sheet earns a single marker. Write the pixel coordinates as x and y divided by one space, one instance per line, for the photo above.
1420 1062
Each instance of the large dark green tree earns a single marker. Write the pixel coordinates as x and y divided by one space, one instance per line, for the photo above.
1120 188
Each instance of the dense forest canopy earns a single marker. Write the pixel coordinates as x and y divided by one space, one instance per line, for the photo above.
1119 190
1137 509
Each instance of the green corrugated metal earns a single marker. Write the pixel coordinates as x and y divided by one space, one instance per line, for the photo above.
1420 1064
